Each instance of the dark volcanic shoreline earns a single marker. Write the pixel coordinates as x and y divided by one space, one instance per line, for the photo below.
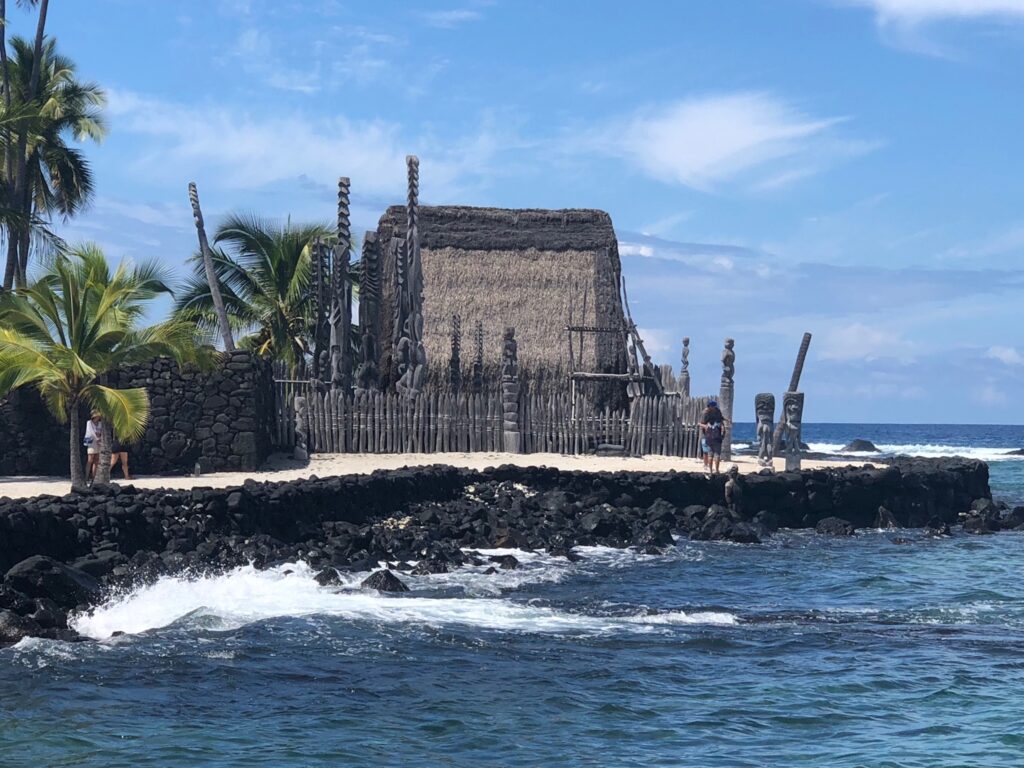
63 553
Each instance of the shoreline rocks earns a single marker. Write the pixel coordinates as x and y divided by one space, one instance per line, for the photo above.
60 552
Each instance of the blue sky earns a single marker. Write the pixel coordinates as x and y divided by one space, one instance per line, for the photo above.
849 167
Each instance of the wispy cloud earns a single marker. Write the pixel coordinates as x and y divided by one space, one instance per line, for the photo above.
258 56
1005 355
919 11
750 138
450 18
252 150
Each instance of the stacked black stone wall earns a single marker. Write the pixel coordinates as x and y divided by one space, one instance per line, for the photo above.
220 418
31 440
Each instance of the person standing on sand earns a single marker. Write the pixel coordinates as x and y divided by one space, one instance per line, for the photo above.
92 441
712 428
119 452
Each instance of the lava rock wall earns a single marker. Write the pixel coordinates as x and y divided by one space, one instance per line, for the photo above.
220 418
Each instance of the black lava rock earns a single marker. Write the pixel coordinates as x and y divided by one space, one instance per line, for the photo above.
834 526
41 576
384 581
505 562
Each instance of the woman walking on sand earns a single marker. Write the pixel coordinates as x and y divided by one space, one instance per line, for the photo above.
93 441
119 452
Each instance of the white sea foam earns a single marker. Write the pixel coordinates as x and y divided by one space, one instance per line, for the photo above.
923 450
246 595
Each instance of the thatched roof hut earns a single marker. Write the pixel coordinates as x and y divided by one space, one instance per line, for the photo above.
521 268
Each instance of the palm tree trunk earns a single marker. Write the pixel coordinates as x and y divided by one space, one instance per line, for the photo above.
103 470
75 446
211 276
12 253
22 195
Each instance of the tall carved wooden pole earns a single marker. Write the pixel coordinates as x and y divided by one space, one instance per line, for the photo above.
726 395
341 304
478 358
455 362
367 373
322 325
211 275
684 370
510 391
412 354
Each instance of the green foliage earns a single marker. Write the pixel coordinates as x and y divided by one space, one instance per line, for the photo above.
80 320
264 271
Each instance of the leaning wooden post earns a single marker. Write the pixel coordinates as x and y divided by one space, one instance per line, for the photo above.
726 393
211 275
510 392
794 384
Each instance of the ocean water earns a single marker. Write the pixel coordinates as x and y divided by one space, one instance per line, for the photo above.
803 651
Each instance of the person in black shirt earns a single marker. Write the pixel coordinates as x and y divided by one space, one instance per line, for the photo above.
119 452
712 428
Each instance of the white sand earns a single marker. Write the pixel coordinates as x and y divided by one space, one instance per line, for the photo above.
324 465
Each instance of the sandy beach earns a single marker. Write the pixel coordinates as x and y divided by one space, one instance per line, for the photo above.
280 468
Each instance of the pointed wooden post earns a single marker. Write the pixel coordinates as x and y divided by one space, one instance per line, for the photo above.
211 275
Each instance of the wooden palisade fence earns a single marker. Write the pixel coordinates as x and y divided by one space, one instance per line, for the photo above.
440 422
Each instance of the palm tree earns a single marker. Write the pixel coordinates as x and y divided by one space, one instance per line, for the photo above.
264 274
77 322
50 177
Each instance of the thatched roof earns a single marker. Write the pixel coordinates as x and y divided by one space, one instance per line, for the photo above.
520 268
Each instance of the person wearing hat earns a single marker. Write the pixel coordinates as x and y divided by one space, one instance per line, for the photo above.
712 429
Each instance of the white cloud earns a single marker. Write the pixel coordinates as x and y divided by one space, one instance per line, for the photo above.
918 11
633 249
248 151
858 341
705 142
1005 355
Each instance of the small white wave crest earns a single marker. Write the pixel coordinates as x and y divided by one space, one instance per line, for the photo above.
920 450
246 595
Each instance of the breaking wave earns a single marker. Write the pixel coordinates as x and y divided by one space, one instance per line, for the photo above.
246 595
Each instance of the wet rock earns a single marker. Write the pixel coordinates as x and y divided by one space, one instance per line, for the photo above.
859 446
328 577
48 615
834 526
885 519
14 628
384 581
41 576
721 524
655 535
505 562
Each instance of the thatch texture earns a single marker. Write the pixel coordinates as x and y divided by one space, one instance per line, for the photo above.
519 268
